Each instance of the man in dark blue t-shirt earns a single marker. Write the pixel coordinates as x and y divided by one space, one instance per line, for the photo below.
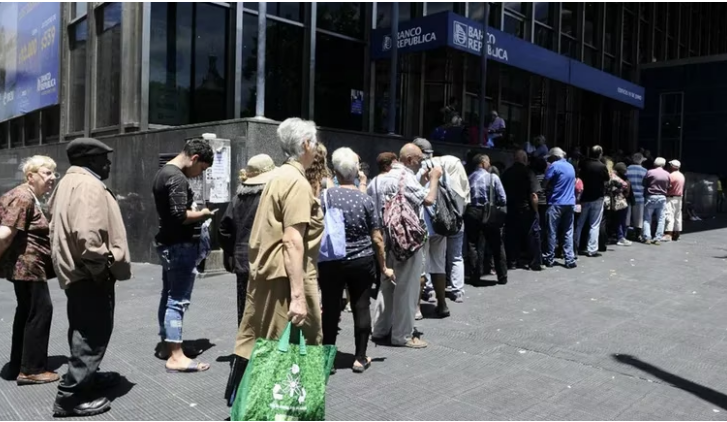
560 183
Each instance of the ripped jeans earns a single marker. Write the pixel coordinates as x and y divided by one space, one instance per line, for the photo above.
178 274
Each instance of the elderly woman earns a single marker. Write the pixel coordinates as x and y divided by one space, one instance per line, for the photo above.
26 262
283 252
357 270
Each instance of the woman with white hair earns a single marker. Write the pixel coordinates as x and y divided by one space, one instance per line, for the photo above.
357 269
26 262
283 251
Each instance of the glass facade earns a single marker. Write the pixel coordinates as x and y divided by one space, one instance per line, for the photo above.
318 65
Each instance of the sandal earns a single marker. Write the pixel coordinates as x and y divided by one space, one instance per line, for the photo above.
362 366
194 366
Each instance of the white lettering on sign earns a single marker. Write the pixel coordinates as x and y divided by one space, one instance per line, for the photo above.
46 82
409 38
472 38
628 93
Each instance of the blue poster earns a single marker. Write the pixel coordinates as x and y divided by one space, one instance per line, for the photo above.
356 101
29 57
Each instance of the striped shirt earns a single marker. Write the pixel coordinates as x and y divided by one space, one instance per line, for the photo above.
636 173
480 187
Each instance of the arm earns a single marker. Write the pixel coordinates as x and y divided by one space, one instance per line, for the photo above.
501 199
434 176
178 188
14 215
227 227
362 182
89 226
7 234
293 261
378 238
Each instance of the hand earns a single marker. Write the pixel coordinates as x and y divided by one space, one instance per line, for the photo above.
298 311
207 214
389 274
435 172
362 179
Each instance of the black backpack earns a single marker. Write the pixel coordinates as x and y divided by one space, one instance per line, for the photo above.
446 218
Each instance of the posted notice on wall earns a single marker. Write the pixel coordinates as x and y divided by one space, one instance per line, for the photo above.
218 176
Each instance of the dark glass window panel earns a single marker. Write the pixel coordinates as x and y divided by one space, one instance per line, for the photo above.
519 7
591 10
514 85
171 56
658 46
627 72
567 47
568 18
342 18
290 11
694 41
611 35
672 49
645 9
284 70
514 26
684 23
108 66
16 133
660 17
545 12
609 65
433 7
250 6
339 71
683 52
643 44
383 13
629 38
543 37
476 11
209 99
77 91
51 124
78 9
249 65
4 135
589 57
673 18
630 7
31 121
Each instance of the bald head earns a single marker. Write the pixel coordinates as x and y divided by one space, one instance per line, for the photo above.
411 157
521 157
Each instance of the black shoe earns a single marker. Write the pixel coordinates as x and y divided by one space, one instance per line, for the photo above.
593 255
443 312
502 281
548 264
571 265
511 265
386 340
95 407
106 380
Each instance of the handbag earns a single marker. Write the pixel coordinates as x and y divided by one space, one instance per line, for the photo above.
333 243
493 215
284 381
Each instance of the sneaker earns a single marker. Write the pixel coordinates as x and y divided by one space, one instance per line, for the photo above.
459 297
571 265
593 255
656 242
429 296
624 242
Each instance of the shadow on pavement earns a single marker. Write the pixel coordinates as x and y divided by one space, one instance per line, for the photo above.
55 362
120 390
345 360
704 393
713 223
191 348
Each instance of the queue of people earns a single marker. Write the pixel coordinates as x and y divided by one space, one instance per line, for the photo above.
300 236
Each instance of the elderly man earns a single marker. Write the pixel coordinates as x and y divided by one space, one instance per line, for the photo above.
90 253
636 173
396 305
594 175
656 184
560 183
522 229
495 130
674 201
482 181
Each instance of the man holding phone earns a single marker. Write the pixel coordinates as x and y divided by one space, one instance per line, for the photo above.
178 246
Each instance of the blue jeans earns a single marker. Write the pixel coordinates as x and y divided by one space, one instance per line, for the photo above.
591 215
560 223
455 262
654 206
178 274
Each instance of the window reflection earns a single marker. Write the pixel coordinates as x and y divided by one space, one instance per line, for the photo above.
590 23
514 26
284 70
108 71
249 65
568 17
545 12
342 18
433 8
77 94
290 11
210 47
339 71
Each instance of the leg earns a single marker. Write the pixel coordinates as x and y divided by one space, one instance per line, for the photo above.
330 278
649 207
90 323
536 255
37 329
241 295
660 215
164 296
553 218
455 262
493 237
566 227
384 305
406 298
472 232
582 220
595 216
22 312
677 218
513 238
363 274
436 266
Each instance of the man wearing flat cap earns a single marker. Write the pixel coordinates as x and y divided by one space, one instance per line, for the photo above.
90 253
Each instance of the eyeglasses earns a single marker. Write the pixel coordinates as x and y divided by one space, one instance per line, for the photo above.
55 175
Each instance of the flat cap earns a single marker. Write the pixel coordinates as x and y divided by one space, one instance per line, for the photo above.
424 145
675 163
86 147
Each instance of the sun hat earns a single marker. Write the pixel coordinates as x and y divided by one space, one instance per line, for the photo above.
259 170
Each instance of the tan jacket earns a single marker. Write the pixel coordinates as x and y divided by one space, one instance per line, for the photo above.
86 230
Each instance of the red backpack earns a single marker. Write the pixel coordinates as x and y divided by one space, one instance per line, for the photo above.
406 232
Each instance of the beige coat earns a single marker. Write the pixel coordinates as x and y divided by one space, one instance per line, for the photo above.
86 230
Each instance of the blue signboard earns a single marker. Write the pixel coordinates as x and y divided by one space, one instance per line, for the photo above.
448 29
29 57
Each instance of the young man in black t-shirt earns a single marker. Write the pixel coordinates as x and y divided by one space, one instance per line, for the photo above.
594 175
178 245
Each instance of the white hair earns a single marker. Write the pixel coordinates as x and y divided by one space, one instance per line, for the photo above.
345 163
33 164
659 162
557 152
293 132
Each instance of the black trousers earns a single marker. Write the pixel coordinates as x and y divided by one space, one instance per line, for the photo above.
241 295
358 275
522 233
31 328
476 232
90 323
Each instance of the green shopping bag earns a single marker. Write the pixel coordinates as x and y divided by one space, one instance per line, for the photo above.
284 382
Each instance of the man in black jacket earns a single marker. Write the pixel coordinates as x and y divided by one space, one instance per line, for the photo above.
594 175
522 228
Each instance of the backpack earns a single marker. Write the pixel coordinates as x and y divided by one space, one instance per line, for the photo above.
406 233
445 216
333 243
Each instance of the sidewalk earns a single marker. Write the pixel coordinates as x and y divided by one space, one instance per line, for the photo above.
638 334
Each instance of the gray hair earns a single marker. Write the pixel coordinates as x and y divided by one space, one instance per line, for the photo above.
557 152
345 164
293 132
660 162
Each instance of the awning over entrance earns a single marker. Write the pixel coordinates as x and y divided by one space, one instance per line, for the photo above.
448 29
